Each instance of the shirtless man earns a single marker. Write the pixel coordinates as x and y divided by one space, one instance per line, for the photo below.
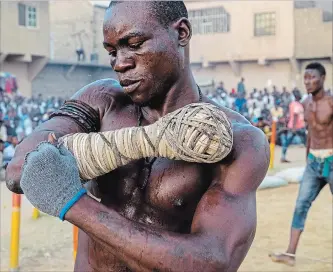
188 217
319 168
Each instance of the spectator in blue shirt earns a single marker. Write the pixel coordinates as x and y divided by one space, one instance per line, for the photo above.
241 86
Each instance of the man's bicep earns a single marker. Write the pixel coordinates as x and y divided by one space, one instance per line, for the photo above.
221 212
250 162
227 222
228 208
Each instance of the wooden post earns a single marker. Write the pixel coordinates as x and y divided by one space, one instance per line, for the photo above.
15 233
35 213
272 145
75 240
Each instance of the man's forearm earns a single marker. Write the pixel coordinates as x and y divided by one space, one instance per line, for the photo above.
308 141
143 247
295 121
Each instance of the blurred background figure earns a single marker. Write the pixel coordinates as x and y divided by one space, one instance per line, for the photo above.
241 87
296 125
2 165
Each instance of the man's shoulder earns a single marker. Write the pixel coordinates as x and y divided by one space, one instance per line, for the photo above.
107 87
246 166
248 138
101 93
329 98
249 142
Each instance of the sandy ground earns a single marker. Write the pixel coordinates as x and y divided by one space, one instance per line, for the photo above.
46 243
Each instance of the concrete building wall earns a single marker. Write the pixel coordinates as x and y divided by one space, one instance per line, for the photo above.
62 79
73 22
103 57
20 40
70 23
313 35
278 73
23 50
240 43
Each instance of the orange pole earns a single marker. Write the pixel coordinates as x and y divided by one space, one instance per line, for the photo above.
75 239
15 232
272 145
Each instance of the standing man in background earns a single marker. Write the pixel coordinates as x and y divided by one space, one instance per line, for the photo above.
241 87
319 167
296 125
2 169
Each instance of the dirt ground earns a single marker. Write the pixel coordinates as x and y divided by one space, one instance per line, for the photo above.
46 243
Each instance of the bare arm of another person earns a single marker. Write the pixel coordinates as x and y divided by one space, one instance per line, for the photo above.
305 104
295 118
97 95
308 142
223 226
295 121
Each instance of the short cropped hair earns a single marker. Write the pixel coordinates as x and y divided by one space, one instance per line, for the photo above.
297 94
317 66
166 12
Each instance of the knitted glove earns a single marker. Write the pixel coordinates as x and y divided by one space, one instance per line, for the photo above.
50 179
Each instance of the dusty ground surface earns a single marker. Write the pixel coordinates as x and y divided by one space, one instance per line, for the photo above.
46 243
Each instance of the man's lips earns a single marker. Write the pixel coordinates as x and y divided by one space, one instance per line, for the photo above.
130 86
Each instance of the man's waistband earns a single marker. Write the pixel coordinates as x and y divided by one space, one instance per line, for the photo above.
322 153
325 158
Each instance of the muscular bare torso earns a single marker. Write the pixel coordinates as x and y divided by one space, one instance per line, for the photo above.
319 117
167 202
170 199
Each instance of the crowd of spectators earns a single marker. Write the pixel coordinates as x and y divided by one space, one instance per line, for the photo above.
258 104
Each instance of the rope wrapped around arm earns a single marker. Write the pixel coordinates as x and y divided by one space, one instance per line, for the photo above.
198 132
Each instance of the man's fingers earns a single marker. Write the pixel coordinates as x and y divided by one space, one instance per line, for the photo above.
52 138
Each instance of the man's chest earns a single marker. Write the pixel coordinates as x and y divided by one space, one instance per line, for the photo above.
318 113
167 186
169 197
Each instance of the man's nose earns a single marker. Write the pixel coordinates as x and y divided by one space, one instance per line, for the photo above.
123 63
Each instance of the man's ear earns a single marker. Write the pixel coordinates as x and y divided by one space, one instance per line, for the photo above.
184 30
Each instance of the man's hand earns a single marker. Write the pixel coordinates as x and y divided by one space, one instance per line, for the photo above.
50 179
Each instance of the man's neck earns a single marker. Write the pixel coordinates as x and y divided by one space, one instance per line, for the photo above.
318 95
182 93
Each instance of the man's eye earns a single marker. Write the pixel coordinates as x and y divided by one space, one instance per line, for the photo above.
135 45
112 53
